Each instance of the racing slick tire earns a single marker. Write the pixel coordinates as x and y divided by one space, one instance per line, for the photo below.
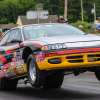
6 84
35 75
53 81
97 74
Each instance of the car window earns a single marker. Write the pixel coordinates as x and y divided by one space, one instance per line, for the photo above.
4 39
34 34
46 30
15 34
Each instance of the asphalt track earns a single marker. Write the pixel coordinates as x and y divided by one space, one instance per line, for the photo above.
82 87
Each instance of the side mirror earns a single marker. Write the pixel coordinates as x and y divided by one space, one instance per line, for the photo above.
15 40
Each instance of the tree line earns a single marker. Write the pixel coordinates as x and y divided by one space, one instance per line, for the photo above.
10 10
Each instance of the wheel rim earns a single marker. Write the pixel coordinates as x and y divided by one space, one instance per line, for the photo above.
32 71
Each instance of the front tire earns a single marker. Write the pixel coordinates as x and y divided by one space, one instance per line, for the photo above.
35 75
97 74
53 81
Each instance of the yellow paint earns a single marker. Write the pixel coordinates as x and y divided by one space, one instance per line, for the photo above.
19 25
22 74
19 71
66 65
8 70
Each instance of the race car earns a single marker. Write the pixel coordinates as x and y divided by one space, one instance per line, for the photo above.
44 53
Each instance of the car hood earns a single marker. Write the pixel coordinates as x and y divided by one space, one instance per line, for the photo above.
70 40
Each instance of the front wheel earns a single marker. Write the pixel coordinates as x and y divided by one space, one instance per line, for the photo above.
35 75
53 81
97 74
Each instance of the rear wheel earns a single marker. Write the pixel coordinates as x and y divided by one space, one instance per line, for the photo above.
53 81
6 84
35 75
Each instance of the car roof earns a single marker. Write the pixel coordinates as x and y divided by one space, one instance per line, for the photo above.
37 24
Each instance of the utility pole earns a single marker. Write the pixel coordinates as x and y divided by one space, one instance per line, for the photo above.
65 11
82 9
94 13
94 16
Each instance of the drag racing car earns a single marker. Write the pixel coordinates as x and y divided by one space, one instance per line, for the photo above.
44 53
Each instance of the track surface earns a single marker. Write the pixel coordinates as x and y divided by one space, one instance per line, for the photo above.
82 87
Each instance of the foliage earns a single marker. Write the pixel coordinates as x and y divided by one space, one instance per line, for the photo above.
11 9
85 17
86 25
10 23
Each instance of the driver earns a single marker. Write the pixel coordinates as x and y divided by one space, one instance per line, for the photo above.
0 33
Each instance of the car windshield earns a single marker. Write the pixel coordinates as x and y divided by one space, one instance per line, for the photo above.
50 30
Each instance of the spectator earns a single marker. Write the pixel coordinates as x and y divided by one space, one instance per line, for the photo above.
60 19
99 29
0 33
80 27
66 21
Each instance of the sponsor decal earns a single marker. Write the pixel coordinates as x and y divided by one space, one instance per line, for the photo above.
9 74
8 70
5 72
15 54
11 70
33 27
20 62
19 68
21 51
23 69
15 69
12 63
1 67
40 57
15 59
2 73
0 62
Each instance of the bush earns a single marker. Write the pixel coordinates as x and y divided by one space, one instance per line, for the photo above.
86 25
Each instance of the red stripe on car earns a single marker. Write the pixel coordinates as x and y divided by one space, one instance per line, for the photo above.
22 45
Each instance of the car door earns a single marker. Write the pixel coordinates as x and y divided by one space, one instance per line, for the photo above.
12 53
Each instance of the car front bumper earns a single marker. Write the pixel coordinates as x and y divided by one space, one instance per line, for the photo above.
73 59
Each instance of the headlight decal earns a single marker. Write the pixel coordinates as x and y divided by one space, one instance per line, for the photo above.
54 46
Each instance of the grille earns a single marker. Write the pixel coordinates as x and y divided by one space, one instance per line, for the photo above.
83 58
96 55
75 59
92 58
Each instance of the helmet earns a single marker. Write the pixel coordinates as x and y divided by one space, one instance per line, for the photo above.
65 20
61 17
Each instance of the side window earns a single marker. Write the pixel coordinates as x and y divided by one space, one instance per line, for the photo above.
15 34
3 42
